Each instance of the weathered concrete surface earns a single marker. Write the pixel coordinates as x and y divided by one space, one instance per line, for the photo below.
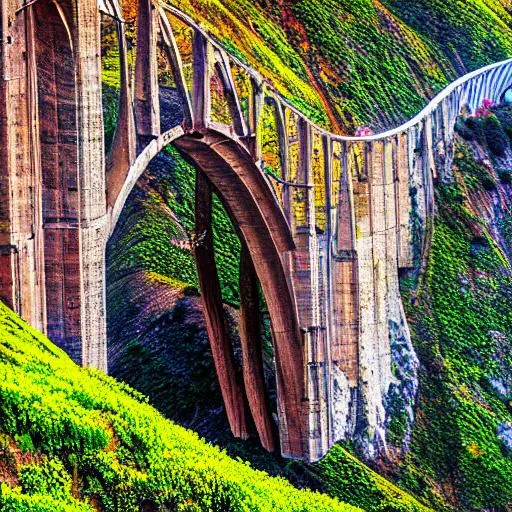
52 151
325 238
216 324
252 352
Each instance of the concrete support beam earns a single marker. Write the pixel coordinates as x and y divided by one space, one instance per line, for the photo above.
92 190
147 103
8 252
249 200
252 356
235 109
123 151
201 96
174 58
256 101
218 332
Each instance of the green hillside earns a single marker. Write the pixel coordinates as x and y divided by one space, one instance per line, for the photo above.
461 323
353 62
74 439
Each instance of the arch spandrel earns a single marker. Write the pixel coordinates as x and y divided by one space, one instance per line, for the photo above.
246 194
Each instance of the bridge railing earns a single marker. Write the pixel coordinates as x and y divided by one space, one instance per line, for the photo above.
471 88
297 155
218 91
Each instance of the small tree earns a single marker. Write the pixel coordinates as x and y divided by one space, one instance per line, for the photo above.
495 135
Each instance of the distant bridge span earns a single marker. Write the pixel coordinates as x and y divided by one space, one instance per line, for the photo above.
325 221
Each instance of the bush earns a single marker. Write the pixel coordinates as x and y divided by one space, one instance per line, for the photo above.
488 183
495 136
120 451
505 177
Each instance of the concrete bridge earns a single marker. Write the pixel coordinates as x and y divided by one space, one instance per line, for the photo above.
325 221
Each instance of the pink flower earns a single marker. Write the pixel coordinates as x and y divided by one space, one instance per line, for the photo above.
363 131
482 112
487 103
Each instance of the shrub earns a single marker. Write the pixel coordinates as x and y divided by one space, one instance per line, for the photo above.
495 136
121 451
505 177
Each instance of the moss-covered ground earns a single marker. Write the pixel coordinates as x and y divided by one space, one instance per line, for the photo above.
461 323
74 439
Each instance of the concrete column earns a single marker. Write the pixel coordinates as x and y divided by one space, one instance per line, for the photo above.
218 333
91 169
201 81
124 144
147 103
250 337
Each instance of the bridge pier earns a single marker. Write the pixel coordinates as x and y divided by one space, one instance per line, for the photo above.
218 332
252 352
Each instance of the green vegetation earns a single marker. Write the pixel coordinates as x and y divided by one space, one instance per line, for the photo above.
372 63
369 62
492 129
344 476
462 329
74 439
162 215
356 62
96 443
471 34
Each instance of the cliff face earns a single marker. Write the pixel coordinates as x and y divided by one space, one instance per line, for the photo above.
461 324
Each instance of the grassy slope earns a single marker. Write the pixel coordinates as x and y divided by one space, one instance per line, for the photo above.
95 441
371 62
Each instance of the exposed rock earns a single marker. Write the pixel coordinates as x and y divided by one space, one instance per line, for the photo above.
504 432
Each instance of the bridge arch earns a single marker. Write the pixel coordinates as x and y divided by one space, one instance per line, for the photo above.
224 162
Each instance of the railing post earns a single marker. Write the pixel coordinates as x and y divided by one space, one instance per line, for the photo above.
147 102
201 97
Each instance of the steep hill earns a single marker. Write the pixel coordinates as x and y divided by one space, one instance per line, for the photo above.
352 62
74 439
360 61
461 322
